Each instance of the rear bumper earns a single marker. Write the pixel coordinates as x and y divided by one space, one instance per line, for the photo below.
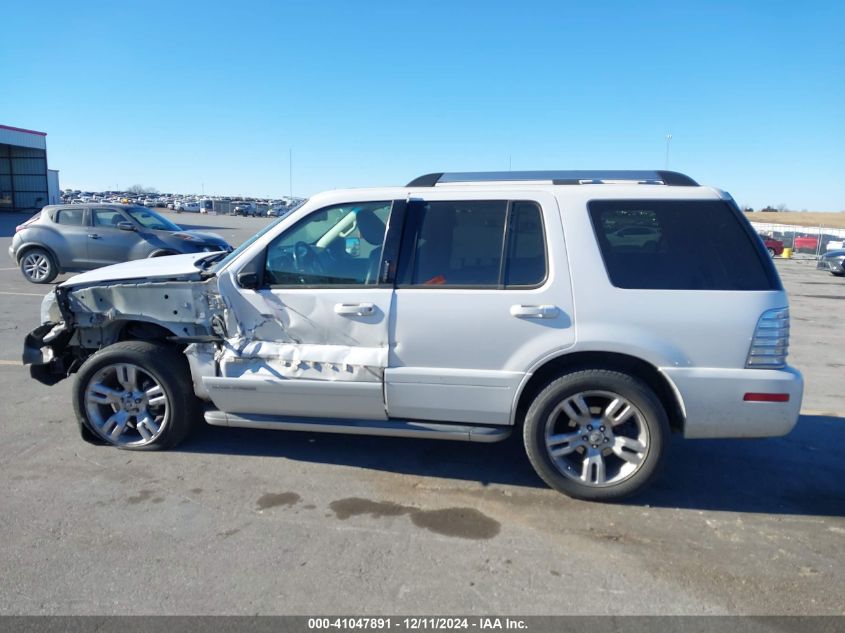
714 407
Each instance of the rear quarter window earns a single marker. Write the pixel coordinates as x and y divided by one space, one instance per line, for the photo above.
679 245
69 217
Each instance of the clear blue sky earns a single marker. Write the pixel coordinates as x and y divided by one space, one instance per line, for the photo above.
175 94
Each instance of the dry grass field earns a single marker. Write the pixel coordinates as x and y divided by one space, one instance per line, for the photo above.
828 220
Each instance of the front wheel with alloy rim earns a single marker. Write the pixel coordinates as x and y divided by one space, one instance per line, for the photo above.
38 266
596 434
135 395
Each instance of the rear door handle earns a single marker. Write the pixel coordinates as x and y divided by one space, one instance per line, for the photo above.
354 309
534 312
93 236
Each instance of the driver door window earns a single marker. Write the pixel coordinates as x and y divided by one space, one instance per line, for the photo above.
335 246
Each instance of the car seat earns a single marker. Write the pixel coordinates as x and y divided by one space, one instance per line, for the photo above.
371 228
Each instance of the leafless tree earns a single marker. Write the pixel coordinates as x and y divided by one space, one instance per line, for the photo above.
141 189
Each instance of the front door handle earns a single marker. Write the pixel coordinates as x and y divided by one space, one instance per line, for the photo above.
534 312
354 309
93 236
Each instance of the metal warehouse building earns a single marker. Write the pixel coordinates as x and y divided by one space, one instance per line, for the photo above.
26 184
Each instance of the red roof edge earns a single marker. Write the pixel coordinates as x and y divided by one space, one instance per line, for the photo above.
20 129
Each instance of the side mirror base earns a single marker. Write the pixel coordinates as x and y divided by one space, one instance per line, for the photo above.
248 280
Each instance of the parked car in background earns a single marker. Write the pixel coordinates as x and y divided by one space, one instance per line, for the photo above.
835 245
244 208
775 247
635 237
833 262
188 207
73 238
806 243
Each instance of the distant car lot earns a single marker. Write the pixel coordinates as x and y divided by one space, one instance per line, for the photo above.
241 521
185 203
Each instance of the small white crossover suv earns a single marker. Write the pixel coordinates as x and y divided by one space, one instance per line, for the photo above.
594 312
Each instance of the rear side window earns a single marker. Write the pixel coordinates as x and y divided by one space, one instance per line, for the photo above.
679 245
473 244
70 217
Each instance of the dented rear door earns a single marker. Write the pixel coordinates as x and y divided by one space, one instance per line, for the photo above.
312 339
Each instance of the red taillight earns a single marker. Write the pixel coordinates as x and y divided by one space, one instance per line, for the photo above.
21 227
766 397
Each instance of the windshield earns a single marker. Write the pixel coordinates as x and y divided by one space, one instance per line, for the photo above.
151 220
240 249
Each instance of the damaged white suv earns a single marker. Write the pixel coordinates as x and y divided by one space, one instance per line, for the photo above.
595 311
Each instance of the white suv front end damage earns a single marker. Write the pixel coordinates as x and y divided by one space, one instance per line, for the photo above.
158 298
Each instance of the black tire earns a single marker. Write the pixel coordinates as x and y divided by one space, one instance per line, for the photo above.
160 363
771 252
648 413
40 260
838 274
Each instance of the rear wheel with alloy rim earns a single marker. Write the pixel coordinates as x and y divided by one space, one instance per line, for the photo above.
37 266
596 434
135 395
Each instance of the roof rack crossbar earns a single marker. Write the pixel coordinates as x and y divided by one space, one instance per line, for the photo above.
575 177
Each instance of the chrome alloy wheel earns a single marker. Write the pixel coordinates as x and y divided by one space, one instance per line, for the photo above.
126 405
36 266
597 438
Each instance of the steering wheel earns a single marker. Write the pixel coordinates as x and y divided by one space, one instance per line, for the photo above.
306 259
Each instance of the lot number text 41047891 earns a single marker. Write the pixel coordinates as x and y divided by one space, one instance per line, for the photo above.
417 623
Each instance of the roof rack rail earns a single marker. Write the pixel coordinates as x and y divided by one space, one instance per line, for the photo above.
577 177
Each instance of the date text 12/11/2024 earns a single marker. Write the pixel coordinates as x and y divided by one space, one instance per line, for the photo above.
416 623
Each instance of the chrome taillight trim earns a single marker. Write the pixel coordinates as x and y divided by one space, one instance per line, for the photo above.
770 342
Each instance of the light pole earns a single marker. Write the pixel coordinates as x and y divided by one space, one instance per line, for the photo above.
668 140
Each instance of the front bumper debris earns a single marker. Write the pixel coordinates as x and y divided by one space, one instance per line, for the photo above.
43 351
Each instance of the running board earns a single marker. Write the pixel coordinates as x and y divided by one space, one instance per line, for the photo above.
389 428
